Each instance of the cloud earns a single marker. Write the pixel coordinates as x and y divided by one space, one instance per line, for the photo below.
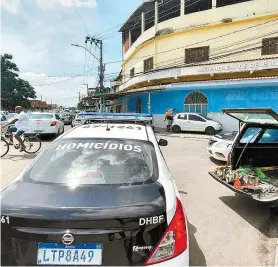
57 89
25 56
12 6
27 75
44 4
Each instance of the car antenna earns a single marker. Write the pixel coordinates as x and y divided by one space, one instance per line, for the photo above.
107 127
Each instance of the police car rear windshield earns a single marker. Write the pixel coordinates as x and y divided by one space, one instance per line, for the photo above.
96 161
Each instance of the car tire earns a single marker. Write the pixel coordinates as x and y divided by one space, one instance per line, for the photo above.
63 130
57 134
176 129
210 130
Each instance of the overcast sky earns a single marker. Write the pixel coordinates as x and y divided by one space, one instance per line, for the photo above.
39 34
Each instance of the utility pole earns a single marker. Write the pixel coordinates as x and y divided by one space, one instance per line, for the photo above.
79 96
101 66
99 44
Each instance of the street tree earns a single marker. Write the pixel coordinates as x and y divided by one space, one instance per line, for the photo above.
14 90
82 104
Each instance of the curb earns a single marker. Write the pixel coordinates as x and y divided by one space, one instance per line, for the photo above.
185 136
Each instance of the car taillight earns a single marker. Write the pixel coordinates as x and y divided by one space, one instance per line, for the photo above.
174 241
53 123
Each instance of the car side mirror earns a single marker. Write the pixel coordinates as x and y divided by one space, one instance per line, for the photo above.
163 142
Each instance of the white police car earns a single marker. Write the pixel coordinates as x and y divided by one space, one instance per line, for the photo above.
100 194
81 117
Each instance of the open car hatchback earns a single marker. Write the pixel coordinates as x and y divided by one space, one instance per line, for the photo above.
252 168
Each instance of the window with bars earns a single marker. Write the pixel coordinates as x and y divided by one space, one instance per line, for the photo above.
197 54
196 102
220 3
197 6
270 46
148 64
132 72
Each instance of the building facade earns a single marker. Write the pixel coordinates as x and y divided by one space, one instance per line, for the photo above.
38 104
199 56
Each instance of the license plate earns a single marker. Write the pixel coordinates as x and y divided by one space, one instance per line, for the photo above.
38 131
60 254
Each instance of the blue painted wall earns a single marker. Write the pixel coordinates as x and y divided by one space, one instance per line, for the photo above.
242 94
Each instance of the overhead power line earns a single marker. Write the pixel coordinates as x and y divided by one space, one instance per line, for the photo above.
76 9
210 39
147 20
121 24
216 49
194 64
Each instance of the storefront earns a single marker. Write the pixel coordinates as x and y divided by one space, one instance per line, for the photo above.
206 97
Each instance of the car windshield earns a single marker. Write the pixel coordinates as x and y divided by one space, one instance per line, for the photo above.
96 161
253 135
11 115
40 116
205 117
3 118
227 136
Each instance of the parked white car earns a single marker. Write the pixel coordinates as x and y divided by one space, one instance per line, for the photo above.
219 146
193 122
45 124
4 122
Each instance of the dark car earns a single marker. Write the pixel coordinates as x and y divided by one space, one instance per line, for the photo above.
253 161
100 194
67 118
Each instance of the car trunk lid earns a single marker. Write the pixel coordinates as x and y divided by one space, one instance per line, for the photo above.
126 222
39 125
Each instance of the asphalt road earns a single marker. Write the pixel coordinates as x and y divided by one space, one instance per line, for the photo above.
224 228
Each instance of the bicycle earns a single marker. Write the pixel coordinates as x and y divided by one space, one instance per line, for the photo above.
32 144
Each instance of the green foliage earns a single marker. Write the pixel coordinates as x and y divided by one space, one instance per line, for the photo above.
81 105
14 91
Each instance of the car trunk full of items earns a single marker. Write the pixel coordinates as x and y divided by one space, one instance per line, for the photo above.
252 169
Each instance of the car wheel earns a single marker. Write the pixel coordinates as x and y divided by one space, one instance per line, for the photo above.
176 129
63 130
58 133
210 130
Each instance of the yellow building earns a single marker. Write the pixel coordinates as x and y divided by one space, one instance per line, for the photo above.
181 52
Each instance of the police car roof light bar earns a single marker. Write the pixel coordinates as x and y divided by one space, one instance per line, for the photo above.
117 117
141 116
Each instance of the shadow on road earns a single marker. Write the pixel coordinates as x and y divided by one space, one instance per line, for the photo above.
47 138
258 214
196 255
163 131
19 156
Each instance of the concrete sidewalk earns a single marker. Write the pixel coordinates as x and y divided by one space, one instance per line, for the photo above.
187 135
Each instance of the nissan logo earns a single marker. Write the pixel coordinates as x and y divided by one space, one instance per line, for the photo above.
67 239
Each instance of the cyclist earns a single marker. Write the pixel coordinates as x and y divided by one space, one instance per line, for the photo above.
21 122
